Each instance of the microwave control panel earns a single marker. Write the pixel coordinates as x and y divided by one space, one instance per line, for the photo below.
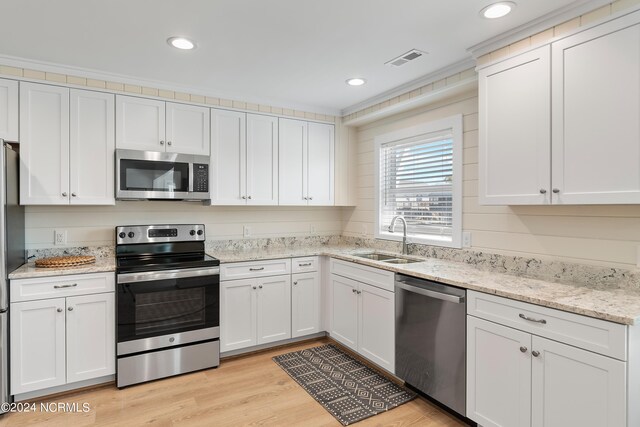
200 178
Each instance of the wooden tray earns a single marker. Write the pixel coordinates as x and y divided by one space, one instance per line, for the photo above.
65 261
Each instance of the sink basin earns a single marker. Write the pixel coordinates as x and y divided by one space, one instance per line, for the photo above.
401 261
376 257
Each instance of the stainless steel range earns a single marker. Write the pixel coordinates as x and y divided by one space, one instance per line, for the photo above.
168 299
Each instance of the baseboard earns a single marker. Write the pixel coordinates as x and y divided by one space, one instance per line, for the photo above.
270 346
65 389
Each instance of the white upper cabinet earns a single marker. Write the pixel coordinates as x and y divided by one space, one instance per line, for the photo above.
187 129
262 160
228 157
92 144
306 167
140 123
515 130
320 170
559 124
44 146
596 109
9 110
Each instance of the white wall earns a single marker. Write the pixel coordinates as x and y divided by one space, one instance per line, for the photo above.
87 225
603 235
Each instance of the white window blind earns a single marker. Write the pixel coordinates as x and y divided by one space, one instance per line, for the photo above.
416 182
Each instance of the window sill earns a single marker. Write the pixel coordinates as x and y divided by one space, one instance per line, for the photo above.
444 241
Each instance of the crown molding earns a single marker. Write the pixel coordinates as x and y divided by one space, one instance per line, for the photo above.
535 26
439 74
52 67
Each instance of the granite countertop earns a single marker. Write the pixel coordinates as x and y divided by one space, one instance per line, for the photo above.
29 270
620 305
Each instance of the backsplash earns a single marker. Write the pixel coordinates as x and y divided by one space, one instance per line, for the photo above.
552 271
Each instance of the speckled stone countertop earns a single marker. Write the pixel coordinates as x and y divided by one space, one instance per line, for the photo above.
620 305
29 270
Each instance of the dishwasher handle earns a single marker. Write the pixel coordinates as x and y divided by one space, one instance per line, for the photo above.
429 293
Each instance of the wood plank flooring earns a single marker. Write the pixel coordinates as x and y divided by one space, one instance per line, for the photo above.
244 391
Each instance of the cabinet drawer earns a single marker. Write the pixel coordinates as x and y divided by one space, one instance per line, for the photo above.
304 265
61 286
244 270
595 335
373 276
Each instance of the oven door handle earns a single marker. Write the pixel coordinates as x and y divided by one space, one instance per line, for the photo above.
148 276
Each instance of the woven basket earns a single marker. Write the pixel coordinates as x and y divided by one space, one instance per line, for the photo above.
65 261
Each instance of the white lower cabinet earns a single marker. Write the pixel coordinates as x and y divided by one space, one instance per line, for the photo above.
305 304
363 319
519 378
61 340
254 311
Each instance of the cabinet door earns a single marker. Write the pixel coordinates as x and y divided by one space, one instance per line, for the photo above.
274 309
596 106
91 147
344 311
187 129
140 123
376 326
90 336
9 110
305 304
498 374
37 345
320 161
292 179
237 314
576 387
228 158
44 145
262 160
515 130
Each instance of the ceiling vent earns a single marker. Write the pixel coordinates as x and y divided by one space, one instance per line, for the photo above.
406 57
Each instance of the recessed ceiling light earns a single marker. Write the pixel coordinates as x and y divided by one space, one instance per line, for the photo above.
497 10
357 81
181 43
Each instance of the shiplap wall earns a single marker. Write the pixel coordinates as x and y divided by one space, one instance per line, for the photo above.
603 235
87 225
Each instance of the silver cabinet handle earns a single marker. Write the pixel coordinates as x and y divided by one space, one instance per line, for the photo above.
64 194
306 198
254 287
260 286
59 310
531 319
64 286
306 264
556 190
161 142
523 349
295 283
359 292
249 197
535 353
354 290
168 142
256 269
70 308
244 197
74 195
310 198
543 191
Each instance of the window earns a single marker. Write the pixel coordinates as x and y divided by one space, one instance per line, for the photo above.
419 177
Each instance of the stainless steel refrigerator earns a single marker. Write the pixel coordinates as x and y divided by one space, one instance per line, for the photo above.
12 249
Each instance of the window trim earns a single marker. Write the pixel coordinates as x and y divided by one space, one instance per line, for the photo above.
454 124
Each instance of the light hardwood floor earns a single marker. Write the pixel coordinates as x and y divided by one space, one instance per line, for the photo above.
243 391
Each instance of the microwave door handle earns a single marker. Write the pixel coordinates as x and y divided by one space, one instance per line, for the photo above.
190 177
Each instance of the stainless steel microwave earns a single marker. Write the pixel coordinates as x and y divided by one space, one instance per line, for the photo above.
152 175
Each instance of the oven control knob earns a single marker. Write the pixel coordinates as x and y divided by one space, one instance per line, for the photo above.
200 232
192 232
131 234
122 235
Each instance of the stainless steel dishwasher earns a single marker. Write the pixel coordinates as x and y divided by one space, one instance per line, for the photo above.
431 339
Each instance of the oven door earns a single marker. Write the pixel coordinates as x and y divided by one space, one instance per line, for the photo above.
158 175
167 308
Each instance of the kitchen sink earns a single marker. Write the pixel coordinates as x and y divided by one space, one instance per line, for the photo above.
390 259
401 261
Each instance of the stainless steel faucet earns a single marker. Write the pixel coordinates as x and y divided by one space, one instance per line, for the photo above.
405 249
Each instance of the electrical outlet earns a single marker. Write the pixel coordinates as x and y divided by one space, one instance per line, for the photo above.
466 239
312 229
60 237
246 231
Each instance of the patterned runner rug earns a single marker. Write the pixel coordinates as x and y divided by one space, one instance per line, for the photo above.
346 388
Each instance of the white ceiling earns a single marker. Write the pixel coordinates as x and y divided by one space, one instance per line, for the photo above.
282 52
